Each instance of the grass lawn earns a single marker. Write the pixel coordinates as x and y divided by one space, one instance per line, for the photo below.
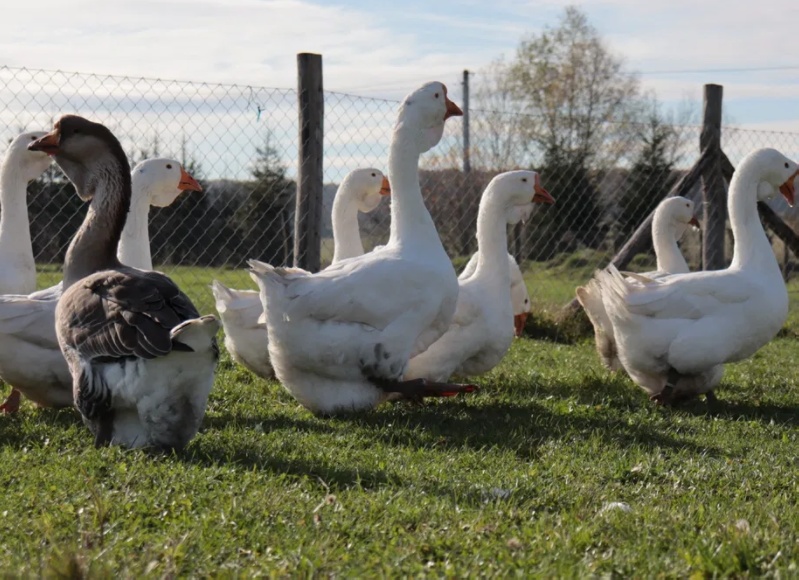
555 468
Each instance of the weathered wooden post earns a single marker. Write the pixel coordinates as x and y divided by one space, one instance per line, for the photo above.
308 214
467 163
466 209
713 190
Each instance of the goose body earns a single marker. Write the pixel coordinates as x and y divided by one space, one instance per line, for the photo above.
340 340
672 218
482 328
241 311
30 358
683 327
519 296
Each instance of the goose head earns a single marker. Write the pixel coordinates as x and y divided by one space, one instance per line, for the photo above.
28 164
82 149
517 191
677 214
426 109
162 180
775 173
367 188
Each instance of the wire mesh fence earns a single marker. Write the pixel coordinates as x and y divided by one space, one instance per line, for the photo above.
241 143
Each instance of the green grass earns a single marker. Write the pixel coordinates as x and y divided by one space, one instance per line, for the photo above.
516 479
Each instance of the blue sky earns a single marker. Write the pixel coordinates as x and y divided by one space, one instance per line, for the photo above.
384 49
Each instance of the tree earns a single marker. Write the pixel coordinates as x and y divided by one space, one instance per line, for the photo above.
577 102
263 220
497 138
652 172
576 94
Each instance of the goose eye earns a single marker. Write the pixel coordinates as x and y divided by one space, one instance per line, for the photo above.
33 137
786 165
374 174
169 166
524 179
436 95
687 205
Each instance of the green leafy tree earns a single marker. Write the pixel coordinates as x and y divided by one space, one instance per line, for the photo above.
652 172
263 220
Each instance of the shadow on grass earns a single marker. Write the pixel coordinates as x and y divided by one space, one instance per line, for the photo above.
332 476
751 411
521 427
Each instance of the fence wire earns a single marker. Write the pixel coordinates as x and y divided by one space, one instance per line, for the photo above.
241 143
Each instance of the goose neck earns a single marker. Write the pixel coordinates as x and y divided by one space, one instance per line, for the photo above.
410 220
134 244
94 247
667 252
15 233
752 249
346 235
492 241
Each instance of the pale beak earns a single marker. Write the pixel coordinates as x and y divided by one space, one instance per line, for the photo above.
385 188
187 182
787 189
518 323
48 144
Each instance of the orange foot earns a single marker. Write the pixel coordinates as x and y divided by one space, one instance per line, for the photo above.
11 404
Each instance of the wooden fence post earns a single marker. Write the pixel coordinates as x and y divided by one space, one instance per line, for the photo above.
466 208
713 190
308 214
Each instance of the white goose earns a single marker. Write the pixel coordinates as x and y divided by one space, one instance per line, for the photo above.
683 327
241 311
482 329
519 297
672 218
141 357
29 355
17 265
340 339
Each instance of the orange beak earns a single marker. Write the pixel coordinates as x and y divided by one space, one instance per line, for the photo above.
787 189
187 182
541 195
385 189
453 110
518 323
47 144
695 222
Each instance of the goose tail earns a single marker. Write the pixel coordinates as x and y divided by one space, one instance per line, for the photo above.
590 297
199 334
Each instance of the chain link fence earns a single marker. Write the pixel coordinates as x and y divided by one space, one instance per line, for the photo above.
241 143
